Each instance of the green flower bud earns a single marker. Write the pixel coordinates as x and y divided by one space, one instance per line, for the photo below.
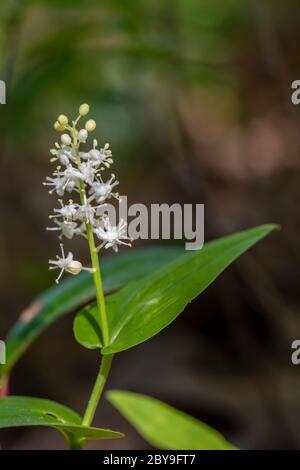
90 125
58 127
84 109
63 120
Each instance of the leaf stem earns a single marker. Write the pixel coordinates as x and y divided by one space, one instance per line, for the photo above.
98 389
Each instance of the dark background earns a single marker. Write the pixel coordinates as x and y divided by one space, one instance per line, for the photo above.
194 97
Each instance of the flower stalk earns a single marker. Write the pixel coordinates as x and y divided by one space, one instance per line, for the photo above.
98 389
81 173
94 258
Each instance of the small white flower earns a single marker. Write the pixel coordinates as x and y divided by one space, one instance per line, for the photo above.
70 173
68 229
57 184
112 236
71 178
88 172
67 264
62 181
67 211
100 157
101 191
64 154
70 185
86 213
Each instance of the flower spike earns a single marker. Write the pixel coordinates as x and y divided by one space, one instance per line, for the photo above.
80 173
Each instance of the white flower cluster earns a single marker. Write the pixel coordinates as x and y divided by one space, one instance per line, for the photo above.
80 172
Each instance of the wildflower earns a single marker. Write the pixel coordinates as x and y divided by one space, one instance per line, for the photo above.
68 229
112 236
70 173
57 184
66 211
99 157
101 191
66 180
64 154
88 172
67 264
79 172
86 213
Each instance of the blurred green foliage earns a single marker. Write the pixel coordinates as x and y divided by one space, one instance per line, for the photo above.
111 53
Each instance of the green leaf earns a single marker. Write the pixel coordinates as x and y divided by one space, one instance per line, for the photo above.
73 292
143 308
86 328
27 411
165 427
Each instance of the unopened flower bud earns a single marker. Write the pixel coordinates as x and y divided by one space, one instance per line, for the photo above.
84 109
82 135
90 125
63 120
65 139
58 127
75 267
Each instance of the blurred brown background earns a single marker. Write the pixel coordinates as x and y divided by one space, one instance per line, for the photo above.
194 97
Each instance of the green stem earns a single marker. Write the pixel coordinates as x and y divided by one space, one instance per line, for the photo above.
106 360
76 444
98 389
98 284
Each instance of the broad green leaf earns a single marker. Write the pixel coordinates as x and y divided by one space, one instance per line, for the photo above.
143 308
73 292
165 427
27 411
